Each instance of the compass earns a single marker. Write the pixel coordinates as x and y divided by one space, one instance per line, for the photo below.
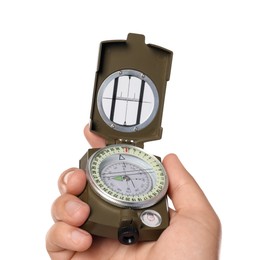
127 186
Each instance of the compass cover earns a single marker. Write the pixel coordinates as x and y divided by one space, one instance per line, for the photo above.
129 90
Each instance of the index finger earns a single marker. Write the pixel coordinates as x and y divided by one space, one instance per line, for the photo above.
94 140
72 181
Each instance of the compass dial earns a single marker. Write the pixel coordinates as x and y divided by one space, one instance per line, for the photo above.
127 176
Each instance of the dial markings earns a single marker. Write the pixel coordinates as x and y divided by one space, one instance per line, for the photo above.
127 176
121 157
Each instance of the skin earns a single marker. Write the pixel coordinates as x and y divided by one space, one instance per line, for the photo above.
194 232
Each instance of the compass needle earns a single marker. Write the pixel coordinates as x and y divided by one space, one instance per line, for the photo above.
118 178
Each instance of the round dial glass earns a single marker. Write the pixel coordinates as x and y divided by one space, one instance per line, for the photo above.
127 100
127 176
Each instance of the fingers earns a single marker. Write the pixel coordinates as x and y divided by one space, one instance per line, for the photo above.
94 140
183 189
72 181
63 238
70 209
69 212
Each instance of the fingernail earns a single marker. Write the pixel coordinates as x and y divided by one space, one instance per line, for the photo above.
72 207
63 184
67 176
78 235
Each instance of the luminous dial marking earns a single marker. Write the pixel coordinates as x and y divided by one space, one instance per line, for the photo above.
127 176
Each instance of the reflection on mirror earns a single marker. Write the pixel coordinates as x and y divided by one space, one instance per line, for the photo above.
128 99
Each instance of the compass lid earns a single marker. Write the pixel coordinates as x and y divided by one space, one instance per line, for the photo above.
129 90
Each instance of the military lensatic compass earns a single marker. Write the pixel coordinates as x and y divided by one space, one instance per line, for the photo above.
127 187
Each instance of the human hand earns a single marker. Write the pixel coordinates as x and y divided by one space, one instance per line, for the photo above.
194 231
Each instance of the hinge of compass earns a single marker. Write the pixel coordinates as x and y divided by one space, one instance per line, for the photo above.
130 142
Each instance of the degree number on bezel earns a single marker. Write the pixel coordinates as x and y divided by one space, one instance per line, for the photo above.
127 176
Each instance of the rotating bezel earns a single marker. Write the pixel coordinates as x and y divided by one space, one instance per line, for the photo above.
157 175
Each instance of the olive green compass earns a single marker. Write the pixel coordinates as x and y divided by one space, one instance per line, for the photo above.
127 187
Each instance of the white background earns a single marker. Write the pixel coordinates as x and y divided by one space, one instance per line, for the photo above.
48 57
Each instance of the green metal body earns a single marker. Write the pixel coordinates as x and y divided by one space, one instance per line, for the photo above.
107 220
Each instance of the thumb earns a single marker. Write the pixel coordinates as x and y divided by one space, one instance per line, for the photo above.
183 190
